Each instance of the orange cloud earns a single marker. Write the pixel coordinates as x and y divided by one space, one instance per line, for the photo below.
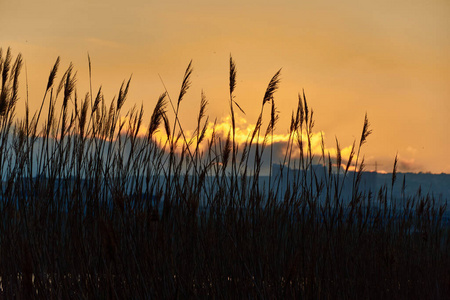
243 133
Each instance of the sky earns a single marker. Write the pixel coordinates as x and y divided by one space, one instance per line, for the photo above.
389 59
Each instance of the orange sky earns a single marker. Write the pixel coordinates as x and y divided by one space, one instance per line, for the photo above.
387 58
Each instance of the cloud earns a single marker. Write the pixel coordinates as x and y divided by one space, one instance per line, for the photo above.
385 164
408 165
278 148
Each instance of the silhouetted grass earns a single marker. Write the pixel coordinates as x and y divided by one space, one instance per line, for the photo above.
92 209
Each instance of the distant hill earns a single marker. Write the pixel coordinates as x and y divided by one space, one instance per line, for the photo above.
437 185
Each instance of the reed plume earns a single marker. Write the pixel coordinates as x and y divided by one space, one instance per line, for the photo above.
52 75
272 87
394 171
185 84
366 131
232 75
157 116
123 93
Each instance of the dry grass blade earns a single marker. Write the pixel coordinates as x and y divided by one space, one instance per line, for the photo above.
404 185
108 125
257 127
203 132
244 154
330 165
212 140
242 111
361 169
350 157
83 115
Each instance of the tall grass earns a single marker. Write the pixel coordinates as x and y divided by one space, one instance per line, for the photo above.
91 208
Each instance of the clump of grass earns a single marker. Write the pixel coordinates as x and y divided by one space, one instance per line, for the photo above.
90 207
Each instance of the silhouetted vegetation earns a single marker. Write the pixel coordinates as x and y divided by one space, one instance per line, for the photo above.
92 209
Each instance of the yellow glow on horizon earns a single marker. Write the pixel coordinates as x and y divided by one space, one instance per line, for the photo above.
243 133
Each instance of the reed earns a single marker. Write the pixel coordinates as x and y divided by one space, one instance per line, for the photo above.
91 208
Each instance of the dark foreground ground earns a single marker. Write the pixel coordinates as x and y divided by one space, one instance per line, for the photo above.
278 251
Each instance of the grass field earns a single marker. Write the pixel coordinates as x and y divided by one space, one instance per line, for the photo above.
92 209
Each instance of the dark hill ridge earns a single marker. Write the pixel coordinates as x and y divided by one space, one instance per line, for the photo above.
437 185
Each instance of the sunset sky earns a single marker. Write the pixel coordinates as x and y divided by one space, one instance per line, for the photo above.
390 59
